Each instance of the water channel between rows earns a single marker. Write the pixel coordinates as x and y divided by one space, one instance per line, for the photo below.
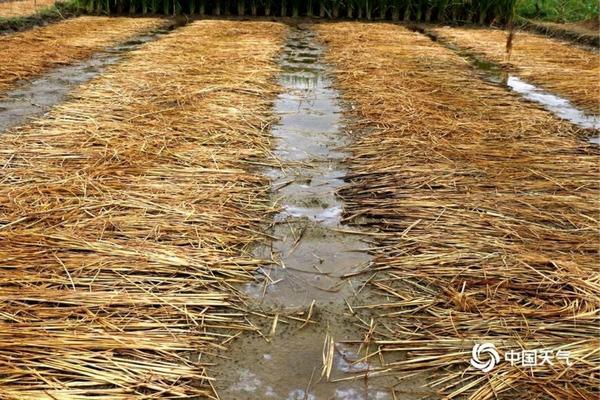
493 72
559 106
35 97
312 253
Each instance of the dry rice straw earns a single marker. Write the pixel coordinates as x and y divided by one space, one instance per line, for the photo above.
489 209
127 215
32 52
561 67
21 8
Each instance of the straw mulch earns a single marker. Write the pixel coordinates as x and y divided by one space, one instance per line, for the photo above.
21 8
32 52
584 32
560 67
126 217
487 209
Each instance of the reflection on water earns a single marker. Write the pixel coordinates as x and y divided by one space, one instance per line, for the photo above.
559 106
311 255
494 72
309 142
330 216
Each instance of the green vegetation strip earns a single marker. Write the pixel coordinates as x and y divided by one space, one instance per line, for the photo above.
408 10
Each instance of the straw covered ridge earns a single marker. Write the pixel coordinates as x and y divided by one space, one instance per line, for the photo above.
30 53
570 71
20 8
487 211
126 217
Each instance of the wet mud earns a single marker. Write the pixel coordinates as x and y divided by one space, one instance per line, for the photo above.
493 72
316 258
33 98
311 253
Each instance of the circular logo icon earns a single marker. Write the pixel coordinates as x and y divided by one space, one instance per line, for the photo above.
490 357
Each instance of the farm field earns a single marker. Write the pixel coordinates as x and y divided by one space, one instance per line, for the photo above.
32 52
148 226
573 75
298 209
20 8
467 205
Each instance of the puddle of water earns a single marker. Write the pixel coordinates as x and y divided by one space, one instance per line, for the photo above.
311 254
34 98
289 367
329 217
560 107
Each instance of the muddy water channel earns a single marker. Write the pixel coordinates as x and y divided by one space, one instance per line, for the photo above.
312 252
559 106
33 98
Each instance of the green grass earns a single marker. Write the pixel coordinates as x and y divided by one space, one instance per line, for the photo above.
477 11
559 10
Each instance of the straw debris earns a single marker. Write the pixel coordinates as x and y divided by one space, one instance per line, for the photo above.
568 70
35 51
488 218
20 8
126 218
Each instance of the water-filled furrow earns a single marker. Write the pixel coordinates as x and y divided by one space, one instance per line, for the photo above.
559 106
311 255
33 98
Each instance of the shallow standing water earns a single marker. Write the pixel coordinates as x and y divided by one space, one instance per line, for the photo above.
33 98
311 255
557 105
